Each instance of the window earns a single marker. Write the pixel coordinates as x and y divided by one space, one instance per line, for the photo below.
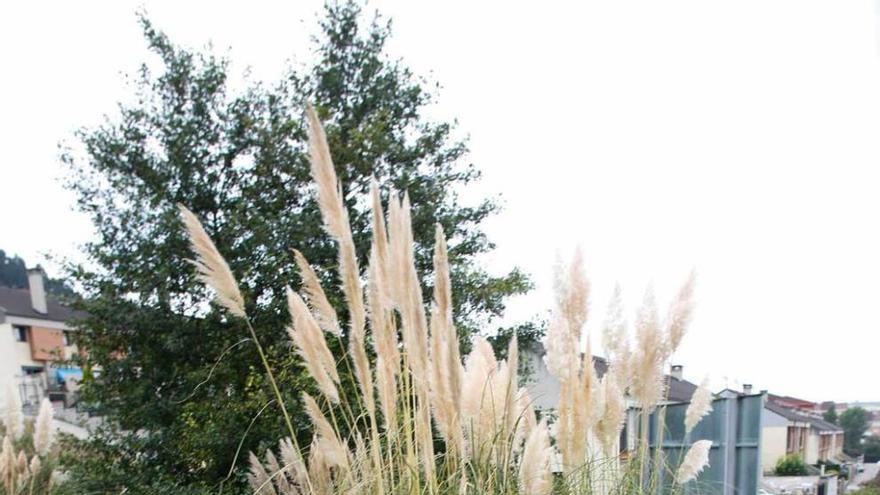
68 338
20 333
31 370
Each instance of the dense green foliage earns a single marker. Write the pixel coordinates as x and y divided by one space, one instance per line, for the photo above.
831 415
872 449
854 422
13 273
238 160
791 465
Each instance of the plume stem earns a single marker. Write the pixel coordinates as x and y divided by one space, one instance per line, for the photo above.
272 381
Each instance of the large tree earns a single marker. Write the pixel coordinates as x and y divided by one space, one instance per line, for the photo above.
238 160
854 422
830 415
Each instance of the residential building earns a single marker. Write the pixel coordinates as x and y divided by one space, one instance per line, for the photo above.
34 340
787 430
543 387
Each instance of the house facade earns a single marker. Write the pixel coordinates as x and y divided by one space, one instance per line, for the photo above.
789 431
35 341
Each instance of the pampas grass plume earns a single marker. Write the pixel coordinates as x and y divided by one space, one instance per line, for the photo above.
212 268
695 460
535 475
258 478
679 315
13 418
44 433
312 347
700 406
321 307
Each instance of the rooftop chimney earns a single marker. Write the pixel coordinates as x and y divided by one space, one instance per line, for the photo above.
747 388
37 289
677 371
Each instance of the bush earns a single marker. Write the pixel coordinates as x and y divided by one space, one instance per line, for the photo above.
830 466
791 465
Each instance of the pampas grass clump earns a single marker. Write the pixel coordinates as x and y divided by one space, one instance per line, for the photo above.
26 457
415 392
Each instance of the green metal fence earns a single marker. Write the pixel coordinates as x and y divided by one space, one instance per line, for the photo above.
734 427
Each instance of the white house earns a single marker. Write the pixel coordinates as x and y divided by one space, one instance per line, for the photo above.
34 340
789 431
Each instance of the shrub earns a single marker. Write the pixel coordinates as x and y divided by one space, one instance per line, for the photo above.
791 465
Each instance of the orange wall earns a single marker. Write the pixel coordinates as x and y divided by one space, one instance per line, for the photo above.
47 344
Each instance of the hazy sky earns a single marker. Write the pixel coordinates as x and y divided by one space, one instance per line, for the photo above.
737 138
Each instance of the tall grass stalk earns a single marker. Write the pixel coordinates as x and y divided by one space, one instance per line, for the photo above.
421 418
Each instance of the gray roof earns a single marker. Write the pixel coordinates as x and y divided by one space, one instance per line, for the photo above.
792 415
17 302
678 390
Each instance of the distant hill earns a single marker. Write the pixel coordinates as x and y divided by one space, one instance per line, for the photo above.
13 273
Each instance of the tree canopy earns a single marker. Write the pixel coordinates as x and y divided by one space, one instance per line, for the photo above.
831 414
855 423
13 273
172 368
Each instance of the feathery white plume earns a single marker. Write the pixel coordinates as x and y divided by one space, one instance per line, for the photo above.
311 345
561 345
8 464
700 406
258 478
212 268
321 307
278 474
695 460
335 453
679 315
44 433
446 369
336 224
647 377
609 425
36 465
13 418
534 472
294 463
477 394
615 339
572 293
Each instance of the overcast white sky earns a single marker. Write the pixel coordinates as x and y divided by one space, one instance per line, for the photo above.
737 138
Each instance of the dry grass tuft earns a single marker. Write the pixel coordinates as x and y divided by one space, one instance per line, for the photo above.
491 437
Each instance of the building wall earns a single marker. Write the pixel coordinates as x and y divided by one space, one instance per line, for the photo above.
812 453
543 387
773 442
8 359
774 439
44 346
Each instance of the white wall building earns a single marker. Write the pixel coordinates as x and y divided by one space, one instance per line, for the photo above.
34 339
788 431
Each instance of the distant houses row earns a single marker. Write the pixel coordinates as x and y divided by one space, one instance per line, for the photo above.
786 425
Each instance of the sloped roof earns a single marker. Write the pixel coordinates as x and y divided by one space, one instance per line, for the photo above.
788 401
17 302
792 415
679 390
